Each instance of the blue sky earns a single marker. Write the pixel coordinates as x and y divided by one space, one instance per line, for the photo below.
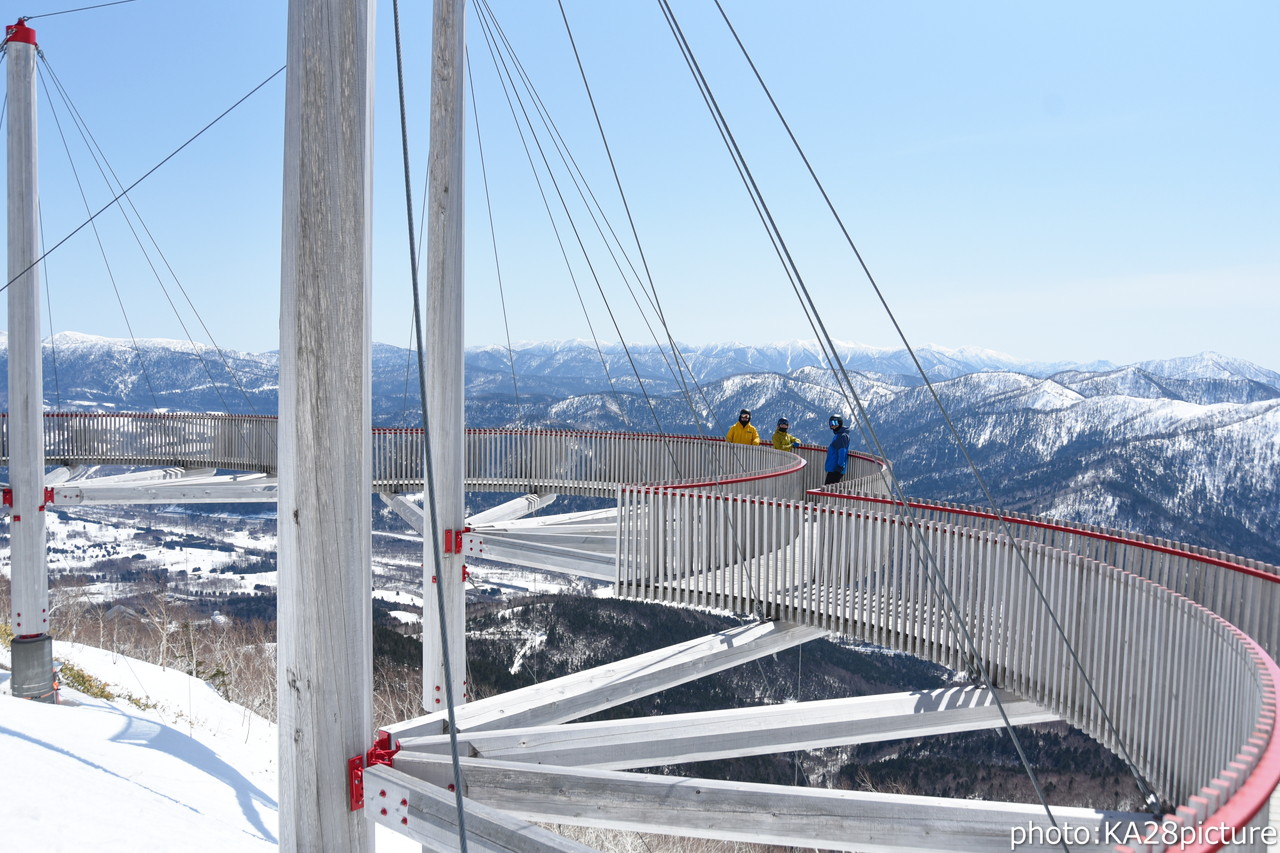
1092 181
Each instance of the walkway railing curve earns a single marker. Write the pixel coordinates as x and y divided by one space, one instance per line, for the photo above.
1244 592
1175 639
1192 697
234 442
564 461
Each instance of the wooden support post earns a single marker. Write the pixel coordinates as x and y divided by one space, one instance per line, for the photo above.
32 657
443 352
324 628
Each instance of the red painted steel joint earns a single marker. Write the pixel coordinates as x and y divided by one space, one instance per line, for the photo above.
381 752
20 32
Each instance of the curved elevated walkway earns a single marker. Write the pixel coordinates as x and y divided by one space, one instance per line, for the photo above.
1170 663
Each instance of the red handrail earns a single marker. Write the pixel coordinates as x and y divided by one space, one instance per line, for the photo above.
1060 528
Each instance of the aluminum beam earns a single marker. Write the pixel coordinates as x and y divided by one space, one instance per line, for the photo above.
704 736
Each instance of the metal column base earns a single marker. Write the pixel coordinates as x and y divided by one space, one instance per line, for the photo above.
32 678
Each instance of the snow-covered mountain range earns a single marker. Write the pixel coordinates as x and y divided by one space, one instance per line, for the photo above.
1184 448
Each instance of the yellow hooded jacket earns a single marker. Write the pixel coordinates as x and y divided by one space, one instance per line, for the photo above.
739 434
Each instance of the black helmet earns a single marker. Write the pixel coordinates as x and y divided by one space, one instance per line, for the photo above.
783 422
835 421
746 412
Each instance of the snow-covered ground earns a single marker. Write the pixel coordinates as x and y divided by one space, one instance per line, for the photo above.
179 768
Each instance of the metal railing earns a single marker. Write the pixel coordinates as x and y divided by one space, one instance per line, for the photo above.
595 463
565 461
1192 697
235 442
1190 693
1244 592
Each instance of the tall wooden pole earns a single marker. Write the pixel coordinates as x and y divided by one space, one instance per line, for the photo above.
443 351
32 648
324 625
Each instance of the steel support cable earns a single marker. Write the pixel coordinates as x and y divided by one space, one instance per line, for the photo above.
98 157
652 291
53 347
428 473
592 204
757 199
590 266
221 352
48 302
552 133
493 235
75 173
490 39
593 207
1152 800
81 9
112 181
827 348
933 573
753 191
940 589
144 176
575 173
409 359
503 79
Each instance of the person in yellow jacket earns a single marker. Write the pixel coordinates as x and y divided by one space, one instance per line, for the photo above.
743 432
782 439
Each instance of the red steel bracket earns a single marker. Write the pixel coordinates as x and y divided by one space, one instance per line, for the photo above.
381 752
355 782
8 497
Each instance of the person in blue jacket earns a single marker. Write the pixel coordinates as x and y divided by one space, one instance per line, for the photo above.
837 450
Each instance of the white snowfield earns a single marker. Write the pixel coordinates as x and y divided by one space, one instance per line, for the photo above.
194 773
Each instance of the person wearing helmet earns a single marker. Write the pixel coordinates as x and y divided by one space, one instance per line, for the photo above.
782 439
743 432
837 450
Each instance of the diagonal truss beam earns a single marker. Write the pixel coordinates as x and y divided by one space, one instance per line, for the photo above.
707 735
429 815
864 821
582 693
410 511
523 551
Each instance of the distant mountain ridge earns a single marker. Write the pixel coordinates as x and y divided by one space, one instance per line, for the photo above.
1185 448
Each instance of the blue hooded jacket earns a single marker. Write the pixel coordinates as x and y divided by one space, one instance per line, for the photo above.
838 451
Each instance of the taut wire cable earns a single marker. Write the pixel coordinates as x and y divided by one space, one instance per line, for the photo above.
429 483
937 582
144 176
1152 801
